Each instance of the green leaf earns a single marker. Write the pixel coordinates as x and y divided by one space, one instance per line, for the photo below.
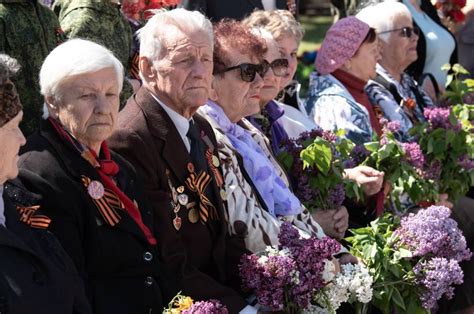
397 298
318 153
446 67
457 68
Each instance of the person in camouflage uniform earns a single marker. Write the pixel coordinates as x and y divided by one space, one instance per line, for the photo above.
101 22
28 32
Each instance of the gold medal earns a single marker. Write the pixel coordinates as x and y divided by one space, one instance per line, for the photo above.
223 194
215 161
193 215
180 189
190 167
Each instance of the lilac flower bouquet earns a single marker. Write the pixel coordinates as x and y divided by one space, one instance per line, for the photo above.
316 162
297 274
414 260
402 163
447 141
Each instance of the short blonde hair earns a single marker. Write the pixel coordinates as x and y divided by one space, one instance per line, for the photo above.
280 23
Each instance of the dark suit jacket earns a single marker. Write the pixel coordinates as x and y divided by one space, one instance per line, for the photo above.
114 262
36 275
216 10
148 138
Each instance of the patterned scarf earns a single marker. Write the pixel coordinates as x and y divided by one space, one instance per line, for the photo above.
106 168
277 196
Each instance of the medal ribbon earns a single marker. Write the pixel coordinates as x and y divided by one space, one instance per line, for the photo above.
28 216
198 184
107 205
217 174
105 168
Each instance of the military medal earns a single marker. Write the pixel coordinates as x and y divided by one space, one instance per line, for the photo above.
180 189
177 223
183 199
190 167
95 189
223 194
215 161
193 215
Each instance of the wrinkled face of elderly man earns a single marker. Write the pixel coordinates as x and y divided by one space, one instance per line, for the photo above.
182 76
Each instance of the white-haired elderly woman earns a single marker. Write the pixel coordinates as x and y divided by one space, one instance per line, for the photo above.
36 275
92 195
393 91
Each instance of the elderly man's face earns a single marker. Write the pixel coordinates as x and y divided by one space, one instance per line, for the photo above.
184 74
233 94
12 139
89 106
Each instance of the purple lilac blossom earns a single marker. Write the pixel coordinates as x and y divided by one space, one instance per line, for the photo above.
433 171
466 163
336 196
393 126
269 280
432 231
359 154
414 155
207 307
437 277
439 119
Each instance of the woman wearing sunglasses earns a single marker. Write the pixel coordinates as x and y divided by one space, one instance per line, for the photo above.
393 91
344 64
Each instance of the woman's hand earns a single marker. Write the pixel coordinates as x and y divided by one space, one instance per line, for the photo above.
443 201
370 179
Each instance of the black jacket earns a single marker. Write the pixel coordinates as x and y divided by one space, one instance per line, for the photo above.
119 267
36 275
216 10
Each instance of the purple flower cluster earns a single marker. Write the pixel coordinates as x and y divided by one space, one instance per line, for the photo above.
336 196
433 171
466 163
393 126
432 232
437 277
437 243
414 155
292 276
310 256
359 154
207 307
270 280
439 119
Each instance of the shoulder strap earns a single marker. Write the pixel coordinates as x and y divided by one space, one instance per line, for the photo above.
389 86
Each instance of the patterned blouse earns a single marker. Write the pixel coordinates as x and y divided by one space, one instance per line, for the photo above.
333 108
409 112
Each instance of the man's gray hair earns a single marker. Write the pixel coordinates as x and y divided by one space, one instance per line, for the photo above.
8 67
151 35
381 16
75 57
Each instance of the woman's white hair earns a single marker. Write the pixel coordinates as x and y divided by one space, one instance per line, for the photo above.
75 57
151 35
381 16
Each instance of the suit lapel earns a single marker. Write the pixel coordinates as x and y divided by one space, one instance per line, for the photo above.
76 166
167 138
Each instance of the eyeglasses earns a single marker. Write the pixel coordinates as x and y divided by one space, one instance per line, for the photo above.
279 67
248 71
405 31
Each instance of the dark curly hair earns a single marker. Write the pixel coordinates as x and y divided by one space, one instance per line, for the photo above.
232 34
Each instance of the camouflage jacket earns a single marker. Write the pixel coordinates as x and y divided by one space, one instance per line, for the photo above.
28 32
99 21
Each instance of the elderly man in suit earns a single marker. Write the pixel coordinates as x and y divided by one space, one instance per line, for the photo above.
216 10
174 149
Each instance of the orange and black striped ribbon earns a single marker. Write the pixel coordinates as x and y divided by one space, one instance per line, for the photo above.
215 171
28 216
108 205
198 184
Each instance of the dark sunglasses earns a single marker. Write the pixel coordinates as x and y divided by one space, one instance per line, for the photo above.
405 31
248 71
278 66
